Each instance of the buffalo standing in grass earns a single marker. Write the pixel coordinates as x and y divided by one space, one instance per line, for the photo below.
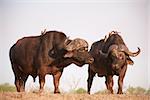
111 57
48 53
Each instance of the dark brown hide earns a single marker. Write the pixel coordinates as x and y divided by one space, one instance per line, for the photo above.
44 54
111 57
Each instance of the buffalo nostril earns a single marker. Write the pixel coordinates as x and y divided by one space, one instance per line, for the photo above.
91 60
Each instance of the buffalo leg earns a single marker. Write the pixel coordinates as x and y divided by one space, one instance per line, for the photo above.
109 83
120 80
106 83
17 75
22 82
91 74
41 82
56 78
17 84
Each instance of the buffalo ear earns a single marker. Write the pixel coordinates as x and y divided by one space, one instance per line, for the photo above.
130 61
69 54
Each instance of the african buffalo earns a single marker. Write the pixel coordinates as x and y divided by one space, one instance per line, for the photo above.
111 57
45 54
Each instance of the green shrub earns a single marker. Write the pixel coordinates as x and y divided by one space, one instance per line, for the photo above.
136 90
80 90
6 87
130 90
148 92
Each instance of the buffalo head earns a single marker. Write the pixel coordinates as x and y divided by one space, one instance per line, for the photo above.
117 56
77 50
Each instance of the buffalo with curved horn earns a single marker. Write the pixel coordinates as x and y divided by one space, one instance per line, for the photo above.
111 57
48 53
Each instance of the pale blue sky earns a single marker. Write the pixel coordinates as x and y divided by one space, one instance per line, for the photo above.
90 20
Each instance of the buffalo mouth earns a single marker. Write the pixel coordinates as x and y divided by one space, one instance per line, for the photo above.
90 60
80 64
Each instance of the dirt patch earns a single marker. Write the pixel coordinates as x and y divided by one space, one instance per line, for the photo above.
50 96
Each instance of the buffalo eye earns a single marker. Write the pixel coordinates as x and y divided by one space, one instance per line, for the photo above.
83 49
86 48
120 56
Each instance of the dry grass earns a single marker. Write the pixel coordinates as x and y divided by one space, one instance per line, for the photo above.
50 96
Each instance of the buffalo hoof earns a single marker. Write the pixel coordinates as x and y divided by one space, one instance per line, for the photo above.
109 92
22 90
41 91
56 92
88 93
119 92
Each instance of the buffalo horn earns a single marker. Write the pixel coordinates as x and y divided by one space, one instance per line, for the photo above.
133 54
114 46
76 44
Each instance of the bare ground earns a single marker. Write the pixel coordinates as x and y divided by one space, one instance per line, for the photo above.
50 96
